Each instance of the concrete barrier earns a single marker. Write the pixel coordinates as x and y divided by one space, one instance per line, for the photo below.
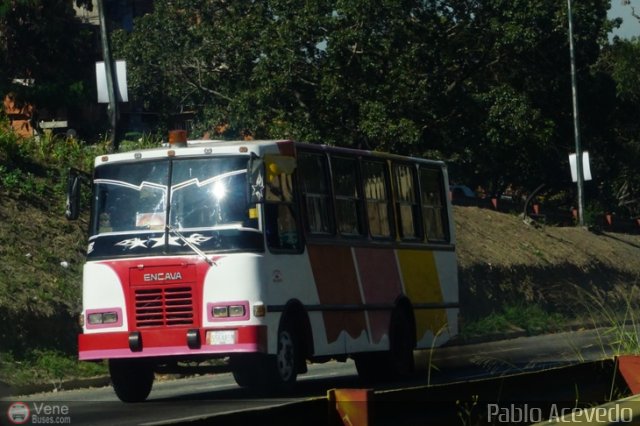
524 398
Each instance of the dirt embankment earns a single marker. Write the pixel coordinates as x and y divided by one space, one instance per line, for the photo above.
504 261
41 261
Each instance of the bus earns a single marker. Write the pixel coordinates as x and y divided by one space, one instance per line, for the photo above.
266 254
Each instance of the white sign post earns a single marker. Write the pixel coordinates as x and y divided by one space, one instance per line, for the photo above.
120 83
586 170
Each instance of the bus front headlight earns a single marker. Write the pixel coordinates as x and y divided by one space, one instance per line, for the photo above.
98 318
236 311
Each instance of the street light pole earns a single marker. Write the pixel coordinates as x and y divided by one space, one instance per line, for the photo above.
112 109
576 122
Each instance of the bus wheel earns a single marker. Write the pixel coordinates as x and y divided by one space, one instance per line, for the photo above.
370 366
131 379
284 365
401 345
248 370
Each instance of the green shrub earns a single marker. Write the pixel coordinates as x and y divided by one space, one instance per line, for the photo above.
531 319
45 366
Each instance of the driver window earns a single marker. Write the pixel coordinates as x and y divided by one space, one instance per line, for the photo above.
114 216
281 216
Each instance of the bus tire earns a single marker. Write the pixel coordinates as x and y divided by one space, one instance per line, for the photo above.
284 365
395 363
401 344
248 370
132 380
370 366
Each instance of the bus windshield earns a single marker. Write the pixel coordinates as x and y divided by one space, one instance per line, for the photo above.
209 193
191 194
130 197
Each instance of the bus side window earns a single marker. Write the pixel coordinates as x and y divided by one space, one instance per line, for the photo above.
377 195
433 205
407 206
347 196
281 218
314 189
282 232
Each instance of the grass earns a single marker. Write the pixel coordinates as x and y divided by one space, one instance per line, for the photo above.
613 313
43 366
531 319
40 302
616 315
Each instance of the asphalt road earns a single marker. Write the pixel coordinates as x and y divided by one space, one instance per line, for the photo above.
210 395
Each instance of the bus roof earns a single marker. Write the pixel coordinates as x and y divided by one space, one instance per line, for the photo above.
243 147
192 148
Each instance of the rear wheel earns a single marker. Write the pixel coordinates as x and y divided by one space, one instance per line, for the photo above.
371 366
132 380
397 362
401 344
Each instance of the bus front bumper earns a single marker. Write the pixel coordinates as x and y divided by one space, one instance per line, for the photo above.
172 342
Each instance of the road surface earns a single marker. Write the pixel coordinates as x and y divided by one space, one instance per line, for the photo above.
208 395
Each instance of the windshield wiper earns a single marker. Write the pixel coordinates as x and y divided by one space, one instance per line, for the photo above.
190 245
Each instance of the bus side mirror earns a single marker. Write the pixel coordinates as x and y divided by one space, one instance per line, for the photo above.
255 181
74 180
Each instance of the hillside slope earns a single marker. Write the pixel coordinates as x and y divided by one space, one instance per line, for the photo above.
41 261
504 261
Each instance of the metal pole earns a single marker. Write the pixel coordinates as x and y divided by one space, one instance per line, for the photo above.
112 109
576 122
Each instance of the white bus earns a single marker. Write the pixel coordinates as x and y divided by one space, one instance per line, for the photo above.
268 253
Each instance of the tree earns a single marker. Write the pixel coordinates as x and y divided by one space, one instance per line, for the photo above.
519 77
43 41
621 186
193 55
484 85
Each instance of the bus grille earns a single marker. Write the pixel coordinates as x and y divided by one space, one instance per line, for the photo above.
164 306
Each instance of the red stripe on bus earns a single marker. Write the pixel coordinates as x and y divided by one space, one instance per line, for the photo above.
328 263
380 279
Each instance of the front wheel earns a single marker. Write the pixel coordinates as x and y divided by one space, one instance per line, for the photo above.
249 370
285 364
132 380
278 371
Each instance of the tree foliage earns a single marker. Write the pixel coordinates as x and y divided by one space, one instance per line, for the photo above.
618 66
483 85
43 41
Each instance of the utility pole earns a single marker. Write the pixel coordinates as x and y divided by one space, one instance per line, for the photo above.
576 122
112 108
